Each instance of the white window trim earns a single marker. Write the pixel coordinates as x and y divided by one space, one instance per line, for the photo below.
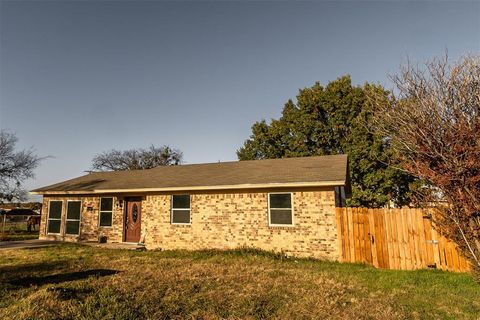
100 213
79 219
293 212
180 209
48 217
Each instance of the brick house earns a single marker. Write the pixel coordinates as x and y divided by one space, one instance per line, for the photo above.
285 205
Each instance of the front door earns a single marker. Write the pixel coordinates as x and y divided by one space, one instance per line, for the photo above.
133 221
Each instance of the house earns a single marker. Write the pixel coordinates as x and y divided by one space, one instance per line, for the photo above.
284 205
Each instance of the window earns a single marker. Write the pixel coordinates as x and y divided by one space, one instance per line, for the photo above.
72 223
106 212
181 209
54 216
280 209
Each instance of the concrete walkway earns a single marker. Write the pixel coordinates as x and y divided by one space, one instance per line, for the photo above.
27 244
36 243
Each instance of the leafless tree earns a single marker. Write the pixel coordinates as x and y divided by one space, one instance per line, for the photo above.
15 167
136 159
434 127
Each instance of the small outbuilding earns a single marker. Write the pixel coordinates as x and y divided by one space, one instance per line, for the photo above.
283 205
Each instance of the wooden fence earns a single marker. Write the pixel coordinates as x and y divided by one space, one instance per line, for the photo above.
395 239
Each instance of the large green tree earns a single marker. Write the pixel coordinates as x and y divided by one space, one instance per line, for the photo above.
335 120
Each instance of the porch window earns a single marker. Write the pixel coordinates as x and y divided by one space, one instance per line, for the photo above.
54 216
106 212
72 223
280 209
180 209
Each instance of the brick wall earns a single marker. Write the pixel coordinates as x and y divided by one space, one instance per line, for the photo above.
223 221
241 219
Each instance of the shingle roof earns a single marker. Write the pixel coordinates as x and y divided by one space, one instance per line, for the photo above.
306 171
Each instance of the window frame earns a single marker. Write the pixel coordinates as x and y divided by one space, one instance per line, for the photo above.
100 213
270 224
181 209
48 218
79 220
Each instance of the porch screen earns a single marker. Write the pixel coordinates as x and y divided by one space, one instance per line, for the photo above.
54 216
72 223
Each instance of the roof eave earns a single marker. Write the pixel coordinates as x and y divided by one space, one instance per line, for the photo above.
196 188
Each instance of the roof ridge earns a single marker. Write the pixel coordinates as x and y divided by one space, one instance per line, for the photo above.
243 161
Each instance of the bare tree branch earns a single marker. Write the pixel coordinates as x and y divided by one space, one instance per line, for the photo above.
434 127
136 159
15 167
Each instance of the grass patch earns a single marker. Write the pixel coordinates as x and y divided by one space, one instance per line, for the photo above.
72 281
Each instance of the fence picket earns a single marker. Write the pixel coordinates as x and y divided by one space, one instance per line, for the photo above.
381 220
422 243
372 232
351 235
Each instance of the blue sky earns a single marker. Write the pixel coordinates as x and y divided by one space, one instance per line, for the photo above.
81 77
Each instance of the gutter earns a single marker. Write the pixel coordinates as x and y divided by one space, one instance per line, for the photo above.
198 188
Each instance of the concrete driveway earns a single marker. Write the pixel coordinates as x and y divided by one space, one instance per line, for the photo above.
26 244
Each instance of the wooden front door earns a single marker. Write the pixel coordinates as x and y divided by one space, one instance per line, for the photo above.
133 221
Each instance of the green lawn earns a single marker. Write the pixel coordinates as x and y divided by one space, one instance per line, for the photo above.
80 282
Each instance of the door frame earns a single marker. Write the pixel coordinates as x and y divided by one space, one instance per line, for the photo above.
126 200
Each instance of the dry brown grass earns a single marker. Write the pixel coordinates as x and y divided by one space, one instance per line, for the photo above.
204 285
14 231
